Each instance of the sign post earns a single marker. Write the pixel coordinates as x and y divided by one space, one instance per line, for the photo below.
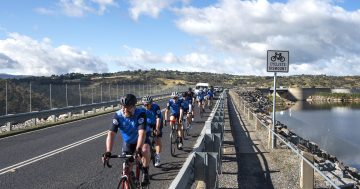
277 61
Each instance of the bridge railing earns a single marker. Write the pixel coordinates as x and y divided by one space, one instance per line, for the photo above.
307 166
204 162
9 120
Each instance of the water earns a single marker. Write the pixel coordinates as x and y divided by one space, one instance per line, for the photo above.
334 127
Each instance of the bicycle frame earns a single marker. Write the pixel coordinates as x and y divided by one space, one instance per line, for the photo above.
128 181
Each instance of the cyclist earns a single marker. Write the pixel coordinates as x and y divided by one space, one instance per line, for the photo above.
191 98
155 122
210 96
200 97
176 113
187 109
131 122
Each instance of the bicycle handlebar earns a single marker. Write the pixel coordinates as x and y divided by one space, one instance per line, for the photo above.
106 161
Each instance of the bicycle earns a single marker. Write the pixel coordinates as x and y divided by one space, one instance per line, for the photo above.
186 125
201 109
152 147
173 137
129 179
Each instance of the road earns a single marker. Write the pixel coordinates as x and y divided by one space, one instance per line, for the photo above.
68 156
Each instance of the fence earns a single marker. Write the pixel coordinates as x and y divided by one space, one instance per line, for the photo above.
204 163
28 97
307 166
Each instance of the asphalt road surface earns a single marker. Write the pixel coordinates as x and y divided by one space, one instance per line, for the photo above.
69 156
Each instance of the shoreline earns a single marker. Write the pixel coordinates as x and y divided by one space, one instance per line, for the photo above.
324 161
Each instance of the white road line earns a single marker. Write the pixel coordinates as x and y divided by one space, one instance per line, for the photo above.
51 153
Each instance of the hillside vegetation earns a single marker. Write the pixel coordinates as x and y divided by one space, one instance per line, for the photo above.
108 86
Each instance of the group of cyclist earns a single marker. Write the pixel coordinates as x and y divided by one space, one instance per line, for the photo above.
137 124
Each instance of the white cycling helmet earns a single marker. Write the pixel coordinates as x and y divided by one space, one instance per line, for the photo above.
174 94
147 100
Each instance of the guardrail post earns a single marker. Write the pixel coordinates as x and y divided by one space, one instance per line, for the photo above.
8 126
257 124
218 119
213 143
249 114
206 168
270 136
207 127
218 127
53 118
307 172
33 121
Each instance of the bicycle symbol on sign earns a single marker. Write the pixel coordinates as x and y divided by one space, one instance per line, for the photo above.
278 56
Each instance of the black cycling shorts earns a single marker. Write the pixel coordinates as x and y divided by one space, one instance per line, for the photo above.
130 149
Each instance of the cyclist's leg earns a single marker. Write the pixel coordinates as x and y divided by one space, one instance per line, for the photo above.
158 146
146 153
179 129
158 143
146 161
192 111
202 105
188 119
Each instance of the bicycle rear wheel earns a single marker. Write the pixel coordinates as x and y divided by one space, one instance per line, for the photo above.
188 128
173 142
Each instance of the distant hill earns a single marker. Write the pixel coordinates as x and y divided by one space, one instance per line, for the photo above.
107 86
9 76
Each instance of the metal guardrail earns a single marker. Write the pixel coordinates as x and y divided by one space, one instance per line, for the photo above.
204 162
294 149
22 117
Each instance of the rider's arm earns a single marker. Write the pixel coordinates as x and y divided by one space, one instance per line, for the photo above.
141 138
111 133
167 111
158 118
110 141
141 130
181 114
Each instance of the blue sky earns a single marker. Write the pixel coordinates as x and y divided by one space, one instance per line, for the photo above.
48 37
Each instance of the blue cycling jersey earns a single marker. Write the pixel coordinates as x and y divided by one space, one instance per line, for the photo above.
153 114
201 95
174 106
185 105
129 126
210 94
189 99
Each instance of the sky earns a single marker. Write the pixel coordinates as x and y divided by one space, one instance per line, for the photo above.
47 37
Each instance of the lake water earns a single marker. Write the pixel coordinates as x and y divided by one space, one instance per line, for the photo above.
334 127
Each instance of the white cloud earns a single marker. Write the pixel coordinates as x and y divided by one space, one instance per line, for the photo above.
45 11
321 37
77 8
23 55
143 59
151 8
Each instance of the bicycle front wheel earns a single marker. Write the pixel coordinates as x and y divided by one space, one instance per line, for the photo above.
173 142
153 151
124 184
